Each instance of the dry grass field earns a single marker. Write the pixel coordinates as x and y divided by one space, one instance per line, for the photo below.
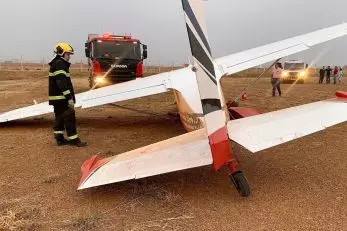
301 185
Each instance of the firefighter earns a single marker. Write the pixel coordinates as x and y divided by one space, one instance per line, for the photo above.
62 97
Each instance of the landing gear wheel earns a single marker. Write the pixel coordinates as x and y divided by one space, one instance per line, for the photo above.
241 184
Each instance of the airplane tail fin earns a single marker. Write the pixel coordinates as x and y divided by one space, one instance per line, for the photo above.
211 103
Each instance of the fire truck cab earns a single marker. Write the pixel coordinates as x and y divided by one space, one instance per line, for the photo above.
114 58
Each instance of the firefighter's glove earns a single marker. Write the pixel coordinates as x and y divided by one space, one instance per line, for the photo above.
71 104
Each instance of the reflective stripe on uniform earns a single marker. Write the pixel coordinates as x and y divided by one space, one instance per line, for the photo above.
56 97
58 132
67 92
73 137
59 72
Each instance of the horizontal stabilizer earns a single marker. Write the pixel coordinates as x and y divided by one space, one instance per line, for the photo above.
263 131
182 152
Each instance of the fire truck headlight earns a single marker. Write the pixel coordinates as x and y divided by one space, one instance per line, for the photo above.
99 79
302 74
285 74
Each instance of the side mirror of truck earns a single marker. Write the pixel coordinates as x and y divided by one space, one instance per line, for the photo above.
145 54
86 49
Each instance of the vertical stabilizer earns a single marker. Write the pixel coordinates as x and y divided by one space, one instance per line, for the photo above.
207 82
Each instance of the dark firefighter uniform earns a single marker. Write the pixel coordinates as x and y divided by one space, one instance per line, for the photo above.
62 97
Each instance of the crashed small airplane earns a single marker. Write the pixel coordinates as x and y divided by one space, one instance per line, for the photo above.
203 111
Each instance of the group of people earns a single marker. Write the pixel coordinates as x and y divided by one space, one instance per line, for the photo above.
326 72
323 72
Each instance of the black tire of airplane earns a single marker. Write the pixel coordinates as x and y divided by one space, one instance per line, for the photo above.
240 182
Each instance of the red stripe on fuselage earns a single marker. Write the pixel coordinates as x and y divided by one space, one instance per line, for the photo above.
220 148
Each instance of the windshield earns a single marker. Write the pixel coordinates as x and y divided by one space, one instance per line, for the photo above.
116 49
294 66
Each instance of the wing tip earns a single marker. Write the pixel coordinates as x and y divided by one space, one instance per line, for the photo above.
89 167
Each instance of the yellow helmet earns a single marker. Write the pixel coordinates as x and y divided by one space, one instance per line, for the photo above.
62 48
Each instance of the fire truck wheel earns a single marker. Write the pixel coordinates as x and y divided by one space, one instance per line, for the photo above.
240 182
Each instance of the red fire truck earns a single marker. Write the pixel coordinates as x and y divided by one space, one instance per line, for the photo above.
114 58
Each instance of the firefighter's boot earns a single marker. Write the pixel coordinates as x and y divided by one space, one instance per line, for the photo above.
60 140
78 143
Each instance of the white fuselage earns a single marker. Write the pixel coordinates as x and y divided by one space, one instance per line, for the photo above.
188 99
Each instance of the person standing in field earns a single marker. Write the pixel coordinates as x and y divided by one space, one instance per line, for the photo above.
62 97
336 74
321 74
340 75
328 70
276 79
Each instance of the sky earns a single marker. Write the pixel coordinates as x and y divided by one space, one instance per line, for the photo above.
30 29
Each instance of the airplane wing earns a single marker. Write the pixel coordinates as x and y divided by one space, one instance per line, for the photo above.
129 90
33 110
186 151
250 58
263 131
152 85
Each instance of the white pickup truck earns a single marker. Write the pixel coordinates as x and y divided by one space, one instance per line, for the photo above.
294 71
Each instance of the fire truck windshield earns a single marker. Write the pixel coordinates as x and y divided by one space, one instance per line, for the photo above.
117 49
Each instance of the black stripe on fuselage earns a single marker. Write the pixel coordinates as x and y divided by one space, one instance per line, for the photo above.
199 53
212 78
188 9
211 105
